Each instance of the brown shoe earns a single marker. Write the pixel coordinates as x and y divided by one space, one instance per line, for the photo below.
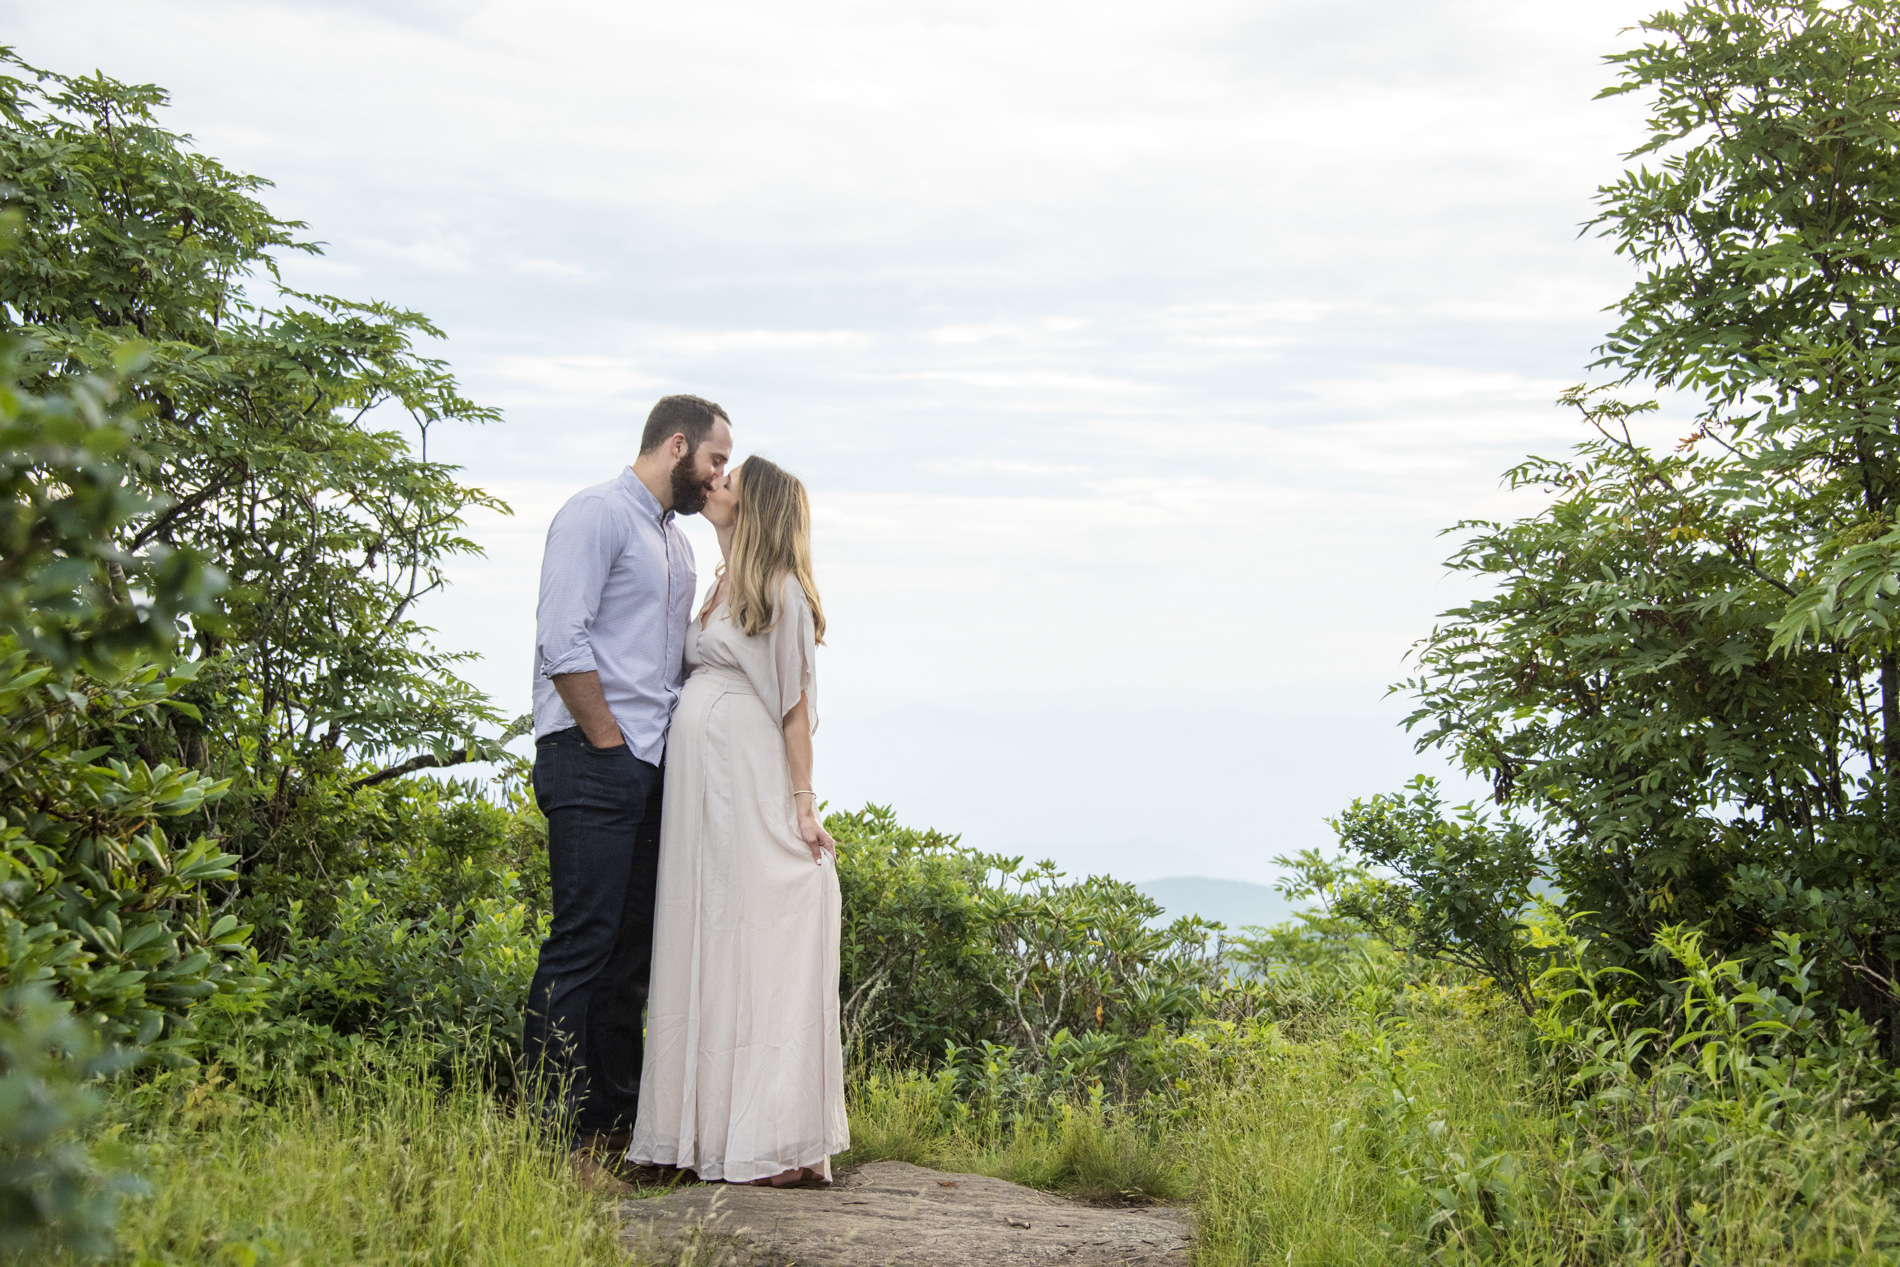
603 1143
594 1173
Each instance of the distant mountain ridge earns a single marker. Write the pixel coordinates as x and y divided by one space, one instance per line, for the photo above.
1235 903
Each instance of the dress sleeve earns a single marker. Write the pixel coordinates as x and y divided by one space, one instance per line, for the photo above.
794 651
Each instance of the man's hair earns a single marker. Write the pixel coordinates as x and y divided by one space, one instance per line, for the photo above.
690 416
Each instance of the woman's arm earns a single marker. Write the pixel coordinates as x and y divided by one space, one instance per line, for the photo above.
805 800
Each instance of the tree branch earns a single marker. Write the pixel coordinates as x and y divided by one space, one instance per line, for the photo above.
426 761
430 761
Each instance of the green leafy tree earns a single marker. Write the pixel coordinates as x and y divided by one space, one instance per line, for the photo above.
1459 884
63 578
96 898
263 445
1687 666
107 942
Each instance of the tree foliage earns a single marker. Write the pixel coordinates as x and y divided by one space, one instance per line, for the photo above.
264 443
1459 885
107 941
64 591
948 950
1686 668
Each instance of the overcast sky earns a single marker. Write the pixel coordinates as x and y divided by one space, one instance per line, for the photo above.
1135 354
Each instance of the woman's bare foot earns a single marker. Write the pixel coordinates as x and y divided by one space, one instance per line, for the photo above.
777 1181
803 1175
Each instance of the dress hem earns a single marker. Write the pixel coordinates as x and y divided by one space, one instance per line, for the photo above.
655 1155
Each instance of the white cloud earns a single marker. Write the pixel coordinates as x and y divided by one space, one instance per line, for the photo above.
439 255
586 379
1056 385
1124 345
687 342
560 269
1390 387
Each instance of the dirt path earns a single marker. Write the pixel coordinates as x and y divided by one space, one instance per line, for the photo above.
892 1214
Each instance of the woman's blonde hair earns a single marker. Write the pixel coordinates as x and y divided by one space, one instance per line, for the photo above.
771 537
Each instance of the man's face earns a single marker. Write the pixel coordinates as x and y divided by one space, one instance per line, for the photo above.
694 472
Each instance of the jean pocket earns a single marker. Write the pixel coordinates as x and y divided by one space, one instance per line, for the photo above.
617 750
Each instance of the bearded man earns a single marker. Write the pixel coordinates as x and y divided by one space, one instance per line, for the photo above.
617 584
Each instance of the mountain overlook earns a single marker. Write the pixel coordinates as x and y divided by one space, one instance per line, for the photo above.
1235 903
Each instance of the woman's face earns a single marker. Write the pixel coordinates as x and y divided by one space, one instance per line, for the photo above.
722 503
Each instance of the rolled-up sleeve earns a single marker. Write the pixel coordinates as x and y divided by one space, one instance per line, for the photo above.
583 542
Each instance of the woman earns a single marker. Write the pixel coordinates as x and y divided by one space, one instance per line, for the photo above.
744 1070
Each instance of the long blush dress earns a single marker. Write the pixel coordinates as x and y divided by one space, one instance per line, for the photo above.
744 1072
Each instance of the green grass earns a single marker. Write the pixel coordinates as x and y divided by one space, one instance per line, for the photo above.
1292 1140
1387 1126
1272 1141
1417 1126
389 1168
1076 1151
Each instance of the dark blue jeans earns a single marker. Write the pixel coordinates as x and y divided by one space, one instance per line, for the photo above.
587 1005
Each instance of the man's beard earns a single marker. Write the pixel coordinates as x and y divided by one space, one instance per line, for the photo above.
689 491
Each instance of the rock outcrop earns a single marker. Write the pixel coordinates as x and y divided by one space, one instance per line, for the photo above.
892 1214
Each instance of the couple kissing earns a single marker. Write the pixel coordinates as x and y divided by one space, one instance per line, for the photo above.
684 1011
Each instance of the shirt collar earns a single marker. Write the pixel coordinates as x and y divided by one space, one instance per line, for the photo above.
643 497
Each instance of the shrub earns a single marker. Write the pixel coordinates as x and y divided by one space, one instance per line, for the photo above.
397 965
914 952
1460 885
1735 1129
949 950
453 981
54 1190
95 898
1081 972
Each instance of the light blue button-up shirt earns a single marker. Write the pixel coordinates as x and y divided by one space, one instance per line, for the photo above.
617 586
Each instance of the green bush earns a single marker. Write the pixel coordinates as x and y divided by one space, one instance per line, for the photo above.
1734 1130
433 956
106 938
453 982
426 844
1083 975
952 954
915 961
56 1190
96 899
1460 884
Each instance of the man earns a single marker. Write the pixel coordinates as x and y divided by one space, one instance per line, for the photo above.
617 586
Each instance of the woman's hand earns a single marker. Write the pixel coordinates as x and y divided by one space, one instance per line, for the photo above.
797 730
813 832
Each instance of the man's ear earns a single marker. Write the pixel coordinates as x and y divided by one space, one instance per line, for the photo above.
677 445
